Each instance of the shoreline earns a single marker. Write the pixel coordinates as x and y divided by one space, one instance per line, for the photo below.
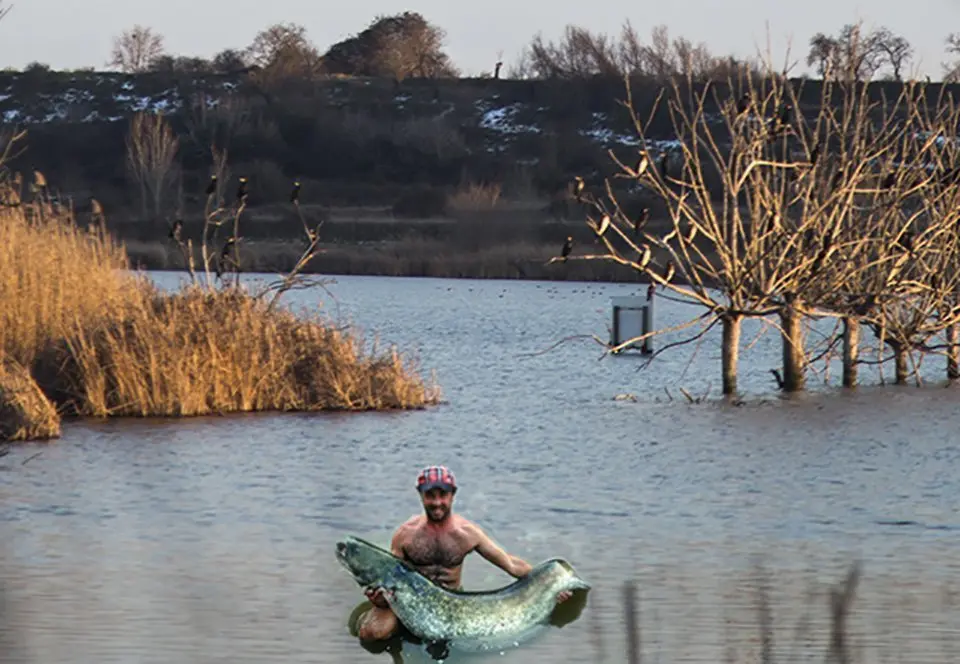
412 258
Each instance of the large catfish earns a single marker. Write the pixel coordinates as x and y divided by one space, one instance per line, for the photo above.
464 620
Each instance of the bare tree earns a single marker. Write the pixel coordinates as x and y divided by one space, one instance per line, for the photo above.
283 51
951 70
850 215
217 125
896 51
857 55
151 150
413 47
822 53
135 50
581 53
4 9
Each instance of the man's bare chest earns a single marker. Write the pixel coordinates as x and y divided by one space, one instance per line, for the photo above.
444 550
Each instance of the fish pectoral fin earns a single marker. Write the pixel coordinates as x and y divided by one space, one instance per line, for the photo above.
438 650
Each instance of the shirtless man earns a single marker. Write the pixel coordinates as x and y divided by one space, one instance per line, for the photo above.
436 543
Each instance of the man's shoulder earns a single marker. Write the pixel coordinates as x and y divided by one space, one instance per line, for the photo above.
466 525
412 522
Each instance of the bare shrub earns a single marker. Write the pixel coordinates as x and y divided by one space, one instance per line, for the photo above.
473 196
151 152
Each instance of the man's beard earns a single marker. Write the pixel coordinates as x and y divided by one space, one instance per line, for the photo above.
437 513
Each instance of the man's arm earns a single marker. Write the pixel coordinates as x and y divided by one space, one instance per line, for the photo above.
375 595
512 565
399 539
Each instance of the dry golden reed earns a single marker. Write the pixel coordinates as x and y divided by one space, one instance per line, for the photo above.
25 411
103 341
474 197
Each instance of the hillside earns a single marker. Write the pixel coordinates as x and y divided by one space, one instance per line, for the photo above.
353 139
379 160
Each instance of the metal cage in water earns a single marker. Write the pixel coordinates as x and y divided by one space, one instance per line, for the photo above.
632 317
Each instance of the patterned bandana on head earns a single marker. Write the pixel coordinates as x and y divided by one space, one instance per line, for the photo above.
436 477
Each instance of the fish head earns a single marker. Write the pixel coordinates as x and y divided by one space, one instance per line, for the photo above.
564 576
369 564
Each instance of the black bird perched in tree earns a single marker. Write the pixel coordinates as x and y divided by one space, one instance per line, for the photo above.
642 164
567 248
225 260
785 114
644 256
744 102
242 190
641 221
578 188
211 186
175 230
295 194
604 225
669 271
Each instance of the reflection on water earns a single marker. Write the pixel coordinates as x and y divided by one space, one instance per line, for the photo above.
404 645
211 539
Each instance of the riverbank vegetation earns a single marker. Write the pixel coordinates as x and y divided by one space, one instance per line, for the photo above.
417 166
103 341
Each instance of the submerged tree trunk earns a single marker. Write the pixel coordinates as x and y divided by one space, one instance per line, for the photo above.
953 354
730 352
851 350
794 361
900 364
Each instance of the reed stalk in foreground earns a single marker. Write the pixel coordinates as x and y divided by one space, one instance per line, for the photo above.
836 647
102 341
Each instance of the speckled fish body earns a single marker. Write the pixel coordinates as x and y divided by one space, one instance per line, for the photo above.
468 621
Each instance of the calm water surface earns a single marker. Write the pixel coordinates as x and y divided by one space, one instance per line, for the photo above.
211 539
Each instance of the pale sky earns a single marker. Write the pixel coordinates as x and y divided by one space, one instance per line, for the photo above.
77 33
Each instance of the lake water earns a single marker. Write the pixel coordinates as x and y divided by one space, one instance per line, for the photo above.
211 539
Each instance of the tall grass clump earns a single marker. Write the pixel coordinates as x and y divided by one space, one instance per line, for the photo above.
54 276
25 411
202 351
103 341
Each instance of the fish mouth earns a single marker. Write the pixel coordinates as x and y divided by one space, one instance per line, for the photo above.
341 556
358 575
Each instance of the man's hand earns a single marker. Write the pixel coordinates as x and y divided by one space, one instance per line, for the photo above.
563 596
375 595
